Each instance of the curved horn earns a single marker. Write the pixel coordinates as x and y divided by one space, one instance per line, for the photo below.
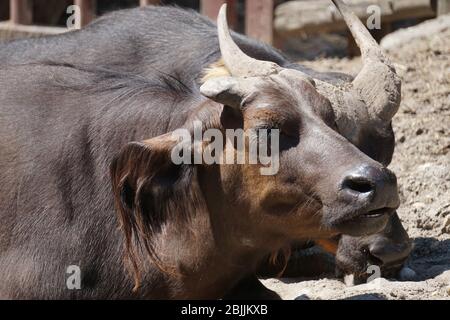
377 83
238 63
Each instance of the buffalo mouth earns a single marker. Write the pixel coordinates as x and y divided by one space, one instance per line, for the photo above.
378 213
363 223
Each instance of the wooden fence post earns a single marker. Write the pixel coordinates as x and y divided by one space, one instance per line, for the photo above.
443 7
21 11
259 20
87 9
210 8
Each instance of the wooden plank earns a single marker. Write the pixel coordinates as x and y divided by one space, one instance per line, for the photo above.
407 9
299 18
21 11
259 19
10 31
399 5
88 10
149 2
210 8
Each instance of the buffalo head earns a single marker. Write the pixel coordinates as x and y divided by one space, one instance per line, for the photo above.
349 191
364 109
322 186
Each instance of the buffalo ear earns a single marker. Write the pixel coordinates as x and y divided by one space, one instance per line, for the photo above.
139 173
226 90
149 189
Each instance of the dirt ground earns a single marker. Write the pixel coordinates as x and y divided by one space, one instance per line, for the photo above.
422 164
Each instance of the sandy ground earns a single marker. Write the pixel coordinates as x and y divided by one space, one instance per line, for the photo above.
422 164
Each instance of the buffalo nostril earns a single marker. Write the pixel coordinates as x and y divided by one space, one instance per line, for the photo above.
358 184
374 187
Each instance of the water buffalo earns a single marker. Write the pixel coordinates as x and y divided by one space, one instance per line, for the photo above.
72 105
